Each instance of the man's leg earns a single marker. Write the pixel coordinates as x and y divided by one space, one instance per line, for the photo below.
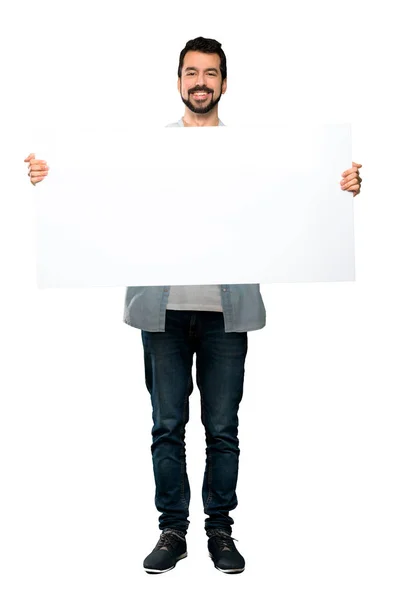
220 376
168 360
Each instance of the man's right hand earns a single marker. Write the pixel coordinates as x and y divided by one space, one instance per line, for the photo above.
38 169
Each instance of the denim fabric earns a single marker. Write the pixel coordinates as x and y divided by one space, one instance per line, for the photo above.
220 359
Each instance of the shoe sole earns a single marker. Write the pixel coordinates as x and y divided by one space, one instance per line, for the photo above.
158 571
228 571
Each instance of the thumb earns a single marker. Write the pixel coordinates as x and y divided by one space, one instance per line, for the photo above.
356 165
29 157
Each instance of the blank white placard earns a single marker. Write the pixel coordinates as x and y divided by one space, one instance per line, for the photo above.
195 206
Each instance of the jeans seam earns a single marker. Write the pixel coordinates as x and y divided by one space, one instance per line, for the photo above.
209 476
209 480
183 464
183 482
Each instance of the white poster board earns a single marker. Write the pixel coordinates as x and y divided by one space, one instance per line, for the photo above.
195 206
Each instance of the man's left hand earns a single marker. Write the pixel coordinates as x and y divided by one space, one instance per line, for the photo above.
351 181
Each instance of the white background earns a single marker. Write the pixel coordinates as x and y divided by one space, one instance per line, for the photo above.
319 470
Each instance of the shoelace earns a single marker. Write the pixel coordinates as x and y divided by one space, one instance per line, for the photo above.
224 540
167 540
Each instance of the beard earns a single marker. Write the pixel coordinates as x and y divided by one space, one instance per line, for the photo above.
202 110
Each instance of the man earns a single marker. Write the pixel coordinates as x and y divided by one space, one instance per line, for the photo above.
211 321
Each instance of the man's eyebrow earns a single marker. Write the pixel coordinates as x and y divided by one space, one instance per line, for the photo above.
195 69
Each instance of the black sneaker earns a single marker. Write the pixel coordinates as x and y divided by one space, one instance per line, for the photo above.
170 548
223 552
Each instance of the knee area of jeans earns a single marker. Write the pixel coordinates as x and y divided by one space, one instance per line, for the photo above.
168 426
222 431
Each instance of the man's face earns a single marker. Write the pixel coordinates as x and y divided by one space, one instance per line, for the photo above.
201 73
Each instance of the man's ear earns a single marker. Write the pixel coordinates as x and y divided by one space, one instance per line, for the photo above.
224 85
179 84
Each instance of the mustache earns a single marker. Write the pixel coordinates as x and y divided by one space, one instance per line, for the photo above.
200 90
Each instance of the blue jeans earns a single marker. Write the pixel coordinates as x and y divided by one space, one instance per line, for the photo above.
220 359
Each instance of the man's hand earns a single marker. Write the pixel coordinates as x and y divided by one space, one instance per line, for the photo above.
351 181
38 169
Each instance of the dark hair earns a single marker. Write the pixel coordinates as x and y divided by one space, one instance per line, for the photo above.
207 46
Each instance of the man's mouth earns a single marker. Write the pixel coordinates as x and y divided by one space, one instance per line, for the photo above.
200 95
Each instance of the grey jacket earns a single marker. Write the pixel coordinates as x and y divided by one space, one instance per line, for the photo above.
242 304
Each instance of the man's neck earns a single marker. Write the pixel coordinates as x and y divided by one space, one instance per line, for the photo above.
191 119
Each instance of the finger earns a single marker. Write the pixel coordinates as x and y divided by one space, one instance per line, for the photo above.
351 183
38 167
349 171
353 187
29 157
38 174
37 162
356 165
36 179
351 177
346 185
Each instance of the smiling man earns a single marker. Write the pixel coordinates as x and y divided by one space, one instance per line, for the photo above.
212 322
201 83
